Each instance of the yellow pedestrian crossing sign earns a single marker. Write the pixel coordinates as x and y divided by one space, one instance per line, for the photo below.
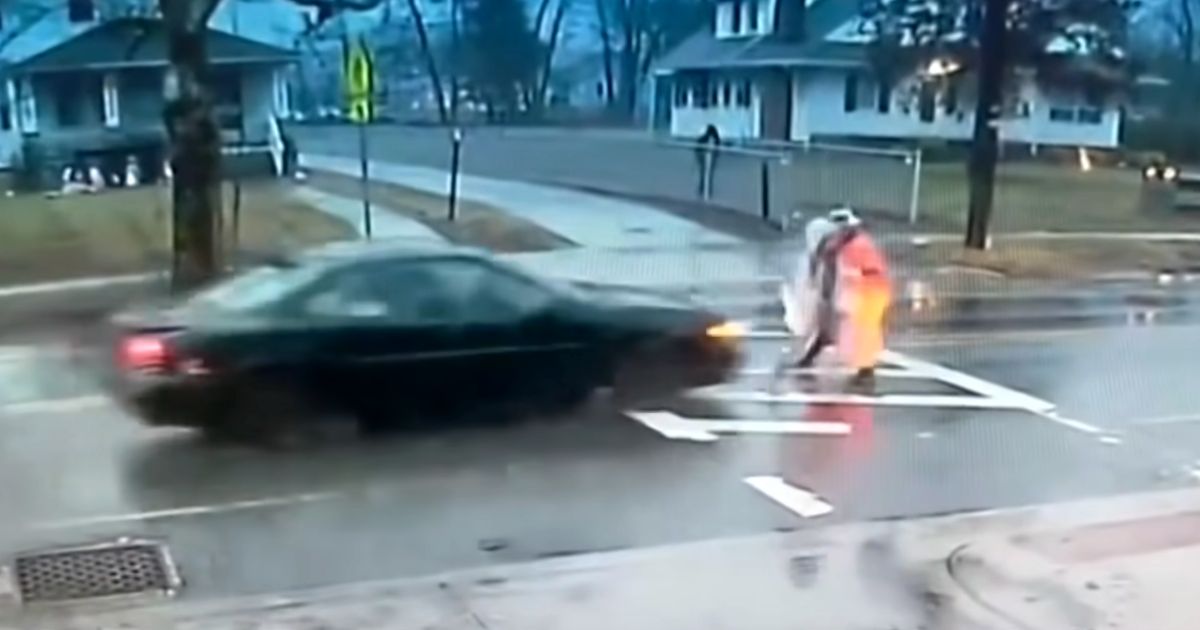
360 82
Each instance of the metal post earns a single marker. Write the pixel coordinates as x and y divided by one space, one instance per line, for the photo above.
455 59
366 174
455 155
765 190
710 163
914 204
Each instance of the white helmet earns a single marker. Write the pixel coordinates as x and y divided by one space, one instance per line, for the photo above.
845 217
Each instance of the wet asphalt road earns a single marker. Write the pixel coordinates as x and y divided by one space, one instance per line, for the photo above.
240 521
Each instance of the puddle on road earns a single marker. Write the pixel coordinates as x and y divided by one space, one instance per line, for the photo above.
34 374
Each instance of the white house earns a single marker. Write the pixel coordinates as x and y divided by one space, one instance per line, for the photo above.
797 70
268 27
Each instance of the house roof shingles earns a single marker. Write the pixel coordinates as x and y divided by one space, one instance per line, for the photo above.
141 42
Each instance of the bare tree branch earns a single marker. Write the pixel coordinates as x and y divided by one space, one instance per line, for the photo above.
435 77
606 52
187 16
551 45
540 20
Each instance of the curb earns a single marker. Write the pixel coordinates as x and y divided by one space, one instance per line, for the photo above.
73 302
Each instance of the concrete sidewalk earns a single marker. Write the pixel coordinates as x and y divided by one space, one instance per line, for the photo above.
1116 562
385 222
587 219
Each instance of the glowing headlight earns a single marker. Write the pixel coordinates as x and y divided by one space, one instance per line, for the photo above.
726 330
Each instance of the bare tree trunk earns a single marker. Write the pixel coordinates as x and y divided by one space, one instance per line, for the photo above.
435 78
1187 48
551 46
194 145
630 18
606 52
981 167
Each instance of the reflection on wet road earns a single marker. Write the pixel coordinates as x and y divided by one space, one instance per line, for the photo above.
242 521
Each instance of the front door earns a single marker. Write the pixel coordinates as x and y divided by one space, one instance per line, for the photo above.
776 104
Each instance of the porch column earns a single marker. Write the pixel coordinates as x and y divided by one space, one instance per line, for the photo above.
27 110
10 97
652 122
280 90
112 100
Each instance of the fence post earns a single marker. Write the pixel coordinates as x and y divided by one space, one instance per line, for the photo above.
914 204
764 190
455 156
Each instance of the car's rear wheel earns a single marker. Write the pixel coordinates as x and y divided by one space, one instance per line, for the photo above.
270 415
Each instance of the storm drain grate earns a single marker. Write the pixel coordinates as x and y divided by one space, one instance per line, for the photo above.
99 571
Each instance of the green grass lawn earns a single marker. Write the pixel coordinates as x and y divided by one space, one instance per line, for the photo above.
128 230
1043 196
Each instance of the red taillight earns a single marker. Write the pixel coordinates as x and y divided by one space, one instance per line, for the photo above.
145 353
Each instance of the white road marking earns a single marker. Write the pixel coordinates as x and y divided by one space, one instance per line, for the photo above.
1174 419
882 372
767 334
954 339
887 400
76 285
677 427
801 502
973 384
195 510
1070 423
55 405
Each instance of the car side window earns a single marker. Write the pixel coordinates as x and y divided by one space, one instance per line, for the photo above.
490 295
453 292
346 295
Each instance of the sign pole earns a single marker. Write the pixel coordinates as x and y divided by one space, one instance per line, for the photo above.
366 177
455 157
360 88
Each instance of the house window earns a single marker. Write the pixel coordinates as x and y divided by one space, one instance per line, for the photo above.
735 19
850 96
700 93
743 94
1090 115
752 16
227 100
680 89
81 10
727 93
883 98
1062 114
78 100
6 121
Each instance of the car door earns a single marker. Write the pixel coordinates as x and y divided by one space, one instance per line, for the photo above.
516 340
384 354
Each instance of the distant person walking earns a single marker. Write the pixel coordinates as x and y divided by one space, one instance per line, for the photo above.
707 146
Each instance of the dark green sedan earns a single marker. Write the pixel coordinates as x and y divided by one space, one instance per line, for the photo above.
390 336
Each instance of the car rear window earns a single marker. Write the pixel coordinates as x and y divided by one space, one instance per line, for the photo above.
256 288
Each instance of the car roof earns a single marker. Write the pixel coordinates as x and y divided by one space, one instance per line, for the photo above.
352 252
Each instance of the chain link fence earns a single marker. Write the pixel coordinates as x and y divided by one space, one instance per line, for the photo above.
772 181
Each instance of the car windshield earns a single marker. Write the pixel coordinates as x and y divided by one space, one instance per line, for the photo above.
831 314
256 289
